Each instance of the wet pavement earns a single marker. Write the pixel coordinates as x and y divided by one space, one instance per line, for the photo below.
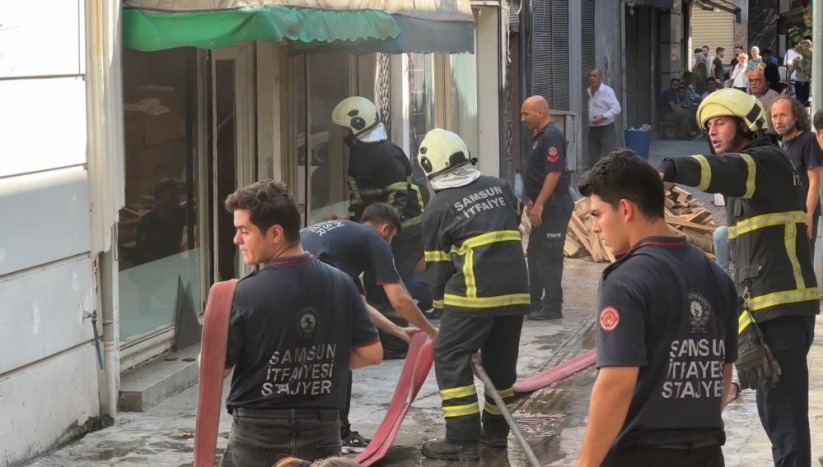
553 419
162 436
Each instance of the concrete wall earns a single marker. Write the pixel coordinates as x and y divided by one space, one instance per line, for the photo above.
48 375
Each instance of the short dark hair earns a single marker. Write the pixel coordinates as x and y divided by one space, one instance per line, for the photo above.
382 213
269 203
818 120
718 50
167 187
801 118
624 175
698 51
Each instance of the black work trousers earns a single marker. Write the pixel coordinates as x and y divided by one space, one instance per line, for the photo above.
461 336
545 254
345 425
260 438
711 456
602 141
784 409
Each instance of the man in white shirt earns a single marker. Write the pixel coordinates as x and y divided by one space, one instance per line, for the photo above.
603 109
760 89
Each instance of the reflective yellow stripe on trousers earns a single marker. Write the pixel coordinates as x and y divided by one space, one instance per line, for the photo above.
491 407
457 393
461 410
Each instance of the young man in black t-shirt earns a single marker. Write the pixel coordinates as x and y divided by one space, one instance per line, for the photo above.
296 328
667 334
717 71
354 248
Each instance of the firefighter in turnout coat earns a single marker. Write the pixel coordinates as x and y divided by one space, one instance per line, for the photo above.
774 273
480 281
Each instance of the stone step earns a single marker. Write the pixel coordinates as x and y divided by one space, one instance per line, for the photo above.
146 385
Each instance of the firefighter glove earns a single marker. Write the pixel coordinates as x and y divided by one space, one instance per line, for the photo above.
756 365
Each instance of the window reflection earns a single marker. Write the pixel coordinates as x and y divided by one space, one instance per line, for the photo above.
158 245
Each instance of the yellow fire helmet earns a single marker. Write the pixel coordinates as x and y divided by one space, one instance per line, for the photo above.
732 103
442 150
357 113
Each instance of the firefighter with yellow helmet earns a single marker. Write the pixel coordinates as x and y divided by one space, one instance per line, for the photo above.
774 273
479 279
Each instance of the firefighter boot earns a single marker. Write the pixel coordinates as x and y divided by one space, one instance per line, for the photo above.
451 451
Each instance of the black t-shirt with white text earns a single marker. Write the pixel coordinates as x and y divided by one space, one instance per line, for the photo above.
548 154
668 309
804 153
293 326
351 247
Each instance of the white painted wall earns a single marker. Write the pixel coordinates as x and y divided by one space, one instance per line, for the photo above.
488 89
48 375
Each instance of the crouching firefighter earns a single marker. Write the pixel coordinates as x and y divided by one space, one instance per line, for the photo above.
774 274
379 171
479 279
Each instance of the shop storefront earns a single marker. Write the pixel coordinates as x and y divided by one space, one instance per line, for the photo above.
207 114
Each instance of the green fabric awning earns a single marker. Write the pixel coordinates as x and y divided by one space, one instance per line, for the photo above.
149 30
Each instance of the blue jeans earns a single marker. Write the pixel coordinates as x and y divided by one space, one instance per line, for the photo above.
721 247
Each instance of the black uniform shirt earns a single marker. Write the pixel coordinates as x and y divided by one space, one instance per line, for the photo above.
805 154
548 154
292 328
352 248
668 309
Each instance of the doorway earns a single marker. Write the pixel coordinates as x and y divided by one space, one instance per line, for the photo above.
231 150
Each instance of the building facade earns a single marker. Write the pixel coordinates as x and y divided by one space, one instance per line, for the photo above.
59 145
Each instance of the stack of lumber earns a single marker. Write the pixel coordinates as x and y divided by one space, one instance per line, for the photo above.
684 214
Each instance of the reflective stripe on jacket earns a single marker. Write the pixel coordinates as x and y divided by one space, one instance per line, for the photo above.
767 227
473 249
381 172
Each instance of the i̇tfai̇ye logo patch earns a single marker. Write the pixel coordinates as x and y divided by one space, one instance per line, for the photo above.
553 155
609 318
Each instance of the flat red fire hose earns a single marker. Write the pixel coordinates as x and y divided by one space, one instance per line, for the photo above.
557 373
212 364
419 361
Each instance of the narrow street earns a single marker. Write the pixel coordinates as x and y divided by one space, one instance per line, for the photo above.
553 419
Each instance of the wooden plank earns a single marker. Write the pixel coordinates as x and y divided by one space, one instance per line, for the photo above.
571 248
609 254
580 232
682 223
598 252
701 217
583 207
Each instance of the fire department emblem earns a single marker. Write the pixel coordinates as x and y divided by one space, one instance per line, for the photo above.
553 155
609 318
699 312
307 321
